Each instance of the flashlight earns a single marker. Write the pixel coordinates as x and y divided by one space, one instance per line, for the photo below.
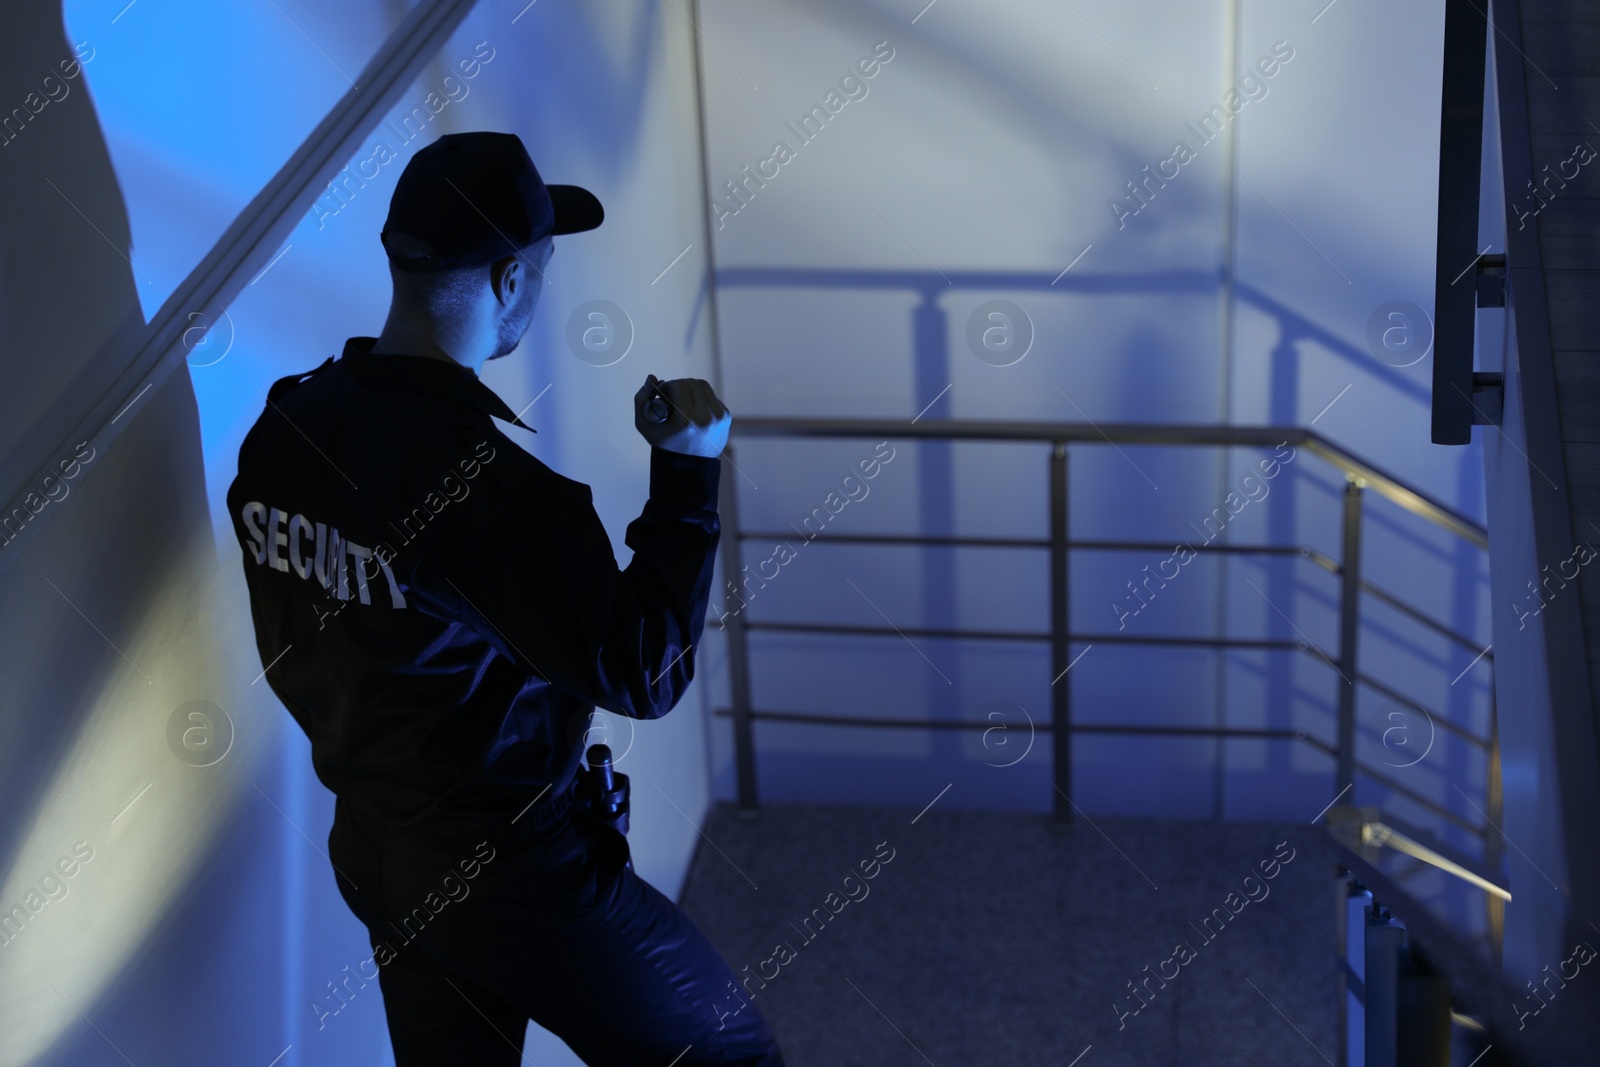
603 790
655 409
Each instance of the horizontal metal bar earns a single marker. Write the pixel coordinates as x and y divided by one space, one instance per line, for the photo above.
1401 698
1231 733
1168 546
1023 542
1024 635
1401 606
1326 562
1331 565
899 539
1215 434
891 631
1416 797
1186 434
1198 642
1228 732
876 721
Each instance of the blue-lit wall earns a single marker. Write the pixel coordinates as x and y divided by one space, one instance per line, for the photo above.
128 888
207 926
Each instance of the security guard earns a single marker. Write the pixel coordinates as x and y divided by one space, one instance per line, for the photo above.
440 612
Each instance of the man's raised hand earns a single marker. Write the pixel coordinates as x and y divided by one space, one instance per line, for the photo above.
696 424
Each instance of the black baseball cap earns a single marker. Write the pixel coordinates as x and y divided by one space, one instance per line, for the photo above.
475 197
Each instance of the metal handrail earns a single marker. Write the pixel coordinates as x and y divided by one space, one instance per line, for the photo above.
1129 433
1305 552
1368 829
1359 474
1457 253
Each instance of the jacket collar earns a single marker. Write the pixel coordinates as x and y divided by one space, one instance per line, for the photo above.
423 374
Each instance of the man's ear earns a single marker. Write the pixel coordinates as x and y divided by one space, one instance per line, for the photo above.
506 274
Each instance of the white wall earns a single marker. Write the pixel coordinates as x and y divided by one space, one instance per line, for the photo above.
982 163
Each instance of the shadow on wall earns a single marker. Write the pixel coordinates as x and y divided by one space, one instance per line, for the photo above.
106 624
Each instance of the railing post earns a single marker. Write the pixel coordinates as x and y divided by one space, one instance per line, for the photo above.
1380 981
731 548
1494 801
1349 630
1060 637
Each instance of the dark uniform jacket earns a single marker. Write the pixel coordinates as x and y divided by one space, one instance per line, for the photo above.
438 609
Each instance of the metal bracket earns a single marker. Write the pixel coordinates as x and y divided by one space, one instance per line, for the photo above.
1488 387
1488 397
1491 281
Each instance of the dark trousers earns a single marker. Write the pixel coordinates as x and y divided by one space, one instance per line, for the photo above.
473 936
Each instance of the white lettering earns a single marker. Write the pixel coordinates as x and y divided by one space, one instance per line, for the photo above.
360 555
277 537
297 526
252 514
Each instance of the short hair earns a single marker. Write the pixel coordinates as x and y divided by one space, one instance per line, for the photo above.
445 294
442 294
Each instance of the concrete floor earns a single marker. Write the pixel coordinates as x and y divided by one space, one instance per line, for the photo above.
994 938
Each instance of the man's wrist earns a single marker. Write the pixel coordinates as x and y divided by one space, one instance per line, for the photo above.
684 480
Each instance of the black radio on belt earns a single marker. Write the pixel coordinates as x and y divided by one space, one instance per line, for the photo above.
602 789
